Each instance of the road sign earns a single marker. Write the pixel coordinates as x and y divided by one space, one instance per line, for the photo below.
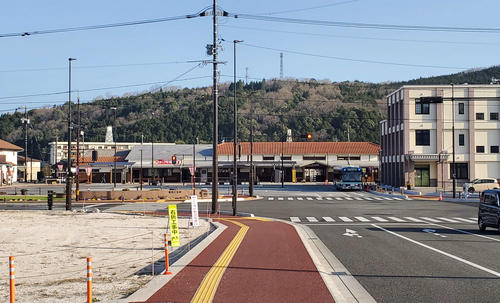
194 210
60 167
192 170
174 225
351 233
88 170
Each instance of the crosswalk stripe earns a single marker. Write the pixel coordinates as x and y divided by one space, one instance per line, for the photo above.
329 198
413 219
409 199
475 219
465 220
431 219
300 198
347 198
396 219
338 198
328 219
387 198
368 198
399 199
312 219
280 198
309 198
362 219
270 198
378 198
295 219
345 219
290 198
380 219
319 198
448 220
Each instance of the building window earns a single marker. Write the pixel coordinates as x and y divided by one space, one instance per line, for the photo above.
421 108
462 171
286 158
461 139
348 158
461 108
314 158
494 149
479 149
268 158
479 116
423 137
493 116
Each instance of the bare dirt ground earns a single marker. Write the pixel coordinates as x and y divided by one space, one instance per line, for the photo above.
50 250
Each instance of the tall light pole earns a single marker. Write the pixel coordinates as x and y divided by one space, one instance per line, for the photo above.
78 152
282 167
69 175
235 133
454 175
25 122
114 139
140 173
215 164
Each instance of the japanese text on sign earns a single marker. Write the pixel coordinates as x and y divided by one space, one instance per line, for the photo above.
174 225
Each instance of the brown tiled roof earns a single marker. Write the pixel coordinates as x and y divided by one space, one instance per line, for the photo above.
21 159
4 145
303 148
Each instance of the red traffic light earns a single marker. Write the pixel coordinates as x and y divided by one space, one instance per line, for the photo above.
174 159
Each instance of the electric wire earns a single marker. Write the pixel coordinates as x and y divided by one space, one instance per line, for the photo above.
308 8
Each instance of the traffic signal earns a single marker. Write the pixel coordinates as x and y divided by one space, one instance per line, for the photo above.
309 136
174 159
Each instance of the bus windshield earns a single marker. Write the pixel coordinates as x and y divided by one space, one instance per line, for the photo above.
351 176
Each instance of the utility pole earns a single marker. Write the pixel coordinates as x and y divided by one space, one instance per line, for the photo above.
152 160
251 179
78 153
25 121
215 164
114 139
194 168
69 175
281 66
140 173
454 175
235 134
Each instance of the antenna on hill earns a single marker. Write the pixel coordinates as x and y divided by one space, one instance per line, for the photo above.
281 66
494 81
246 75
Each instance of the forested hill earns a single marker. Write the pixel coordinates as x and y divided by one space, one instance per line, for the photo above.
327 110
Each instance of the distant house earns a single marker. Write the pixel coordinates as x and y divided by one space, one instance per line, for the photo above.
33 167
8 162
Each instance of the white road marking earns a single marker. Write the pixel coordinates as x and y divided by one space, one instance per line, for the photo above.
362 219
290 198
337 198
409 199
468 233
309 198
413 219
328 198
431 219
448 220
312 219
387 198
345 219
399 199
328 219
295 219
396 219
367 198
380 219
465 220
351 233
497 274
319 198
377 198
300 198
270 198
348 198
475 219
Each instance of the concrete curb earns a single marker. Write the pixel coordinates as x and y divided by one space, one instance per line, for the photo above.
158 282
342 285
388 195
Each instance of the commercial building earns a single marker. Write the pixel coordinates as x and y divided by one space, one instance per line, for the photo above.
8 162
33 167
430 127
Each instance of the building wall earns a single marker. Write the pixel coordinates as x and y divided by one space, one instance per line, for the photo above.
11 157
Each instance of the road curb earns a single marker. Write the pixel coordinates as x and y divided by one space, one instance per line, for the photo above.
342 285
388 195
144 293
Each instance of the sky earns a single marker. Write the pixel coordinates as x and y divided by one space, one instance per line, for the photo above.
135 59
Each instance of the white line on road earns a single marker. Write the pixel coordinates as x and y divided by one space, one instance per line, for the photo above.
328 219
448 220
475 219
347 198
387 198
270 198
345 219
290 198
396 219
399 199
466 220
431 219
378 199
337 198
413 219
309 198
280 198
295 219
367 198
328 198
497 274
312 219
362 219
380 219
300 198
319 198
468 233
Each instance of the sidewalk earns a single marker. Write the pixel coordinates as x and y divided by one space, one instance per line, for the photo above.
252 260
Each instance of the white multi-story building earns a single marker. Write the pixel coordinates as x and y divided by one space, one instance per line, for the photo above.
419 144
8 162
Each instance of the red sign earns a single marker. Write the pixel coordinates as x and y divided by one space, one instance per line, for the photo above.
88 170
192 170
163 162
60 167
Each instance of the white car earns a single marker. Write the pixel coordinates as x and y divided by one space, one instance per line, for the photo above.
481 184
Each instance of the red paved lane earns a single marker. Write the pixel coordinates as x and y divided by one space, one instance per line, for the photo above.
271 265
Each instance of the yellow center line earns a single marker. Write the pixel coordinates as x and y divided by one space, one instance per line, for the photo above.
208 286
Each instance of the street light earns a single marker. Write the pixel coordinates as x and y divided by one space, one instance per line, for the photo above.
68 173
25 121
235 133
114 139
454 175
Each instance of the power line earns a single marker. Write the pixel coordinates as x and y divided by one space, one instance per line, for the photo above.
308 8
101 26
379 26
362 37
352 59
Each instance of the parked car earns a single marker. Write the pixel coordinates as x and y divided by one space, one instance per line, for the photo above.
482 184
489 209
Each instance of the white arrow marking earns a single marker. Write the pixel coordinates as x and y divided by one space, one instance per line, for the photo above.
433 231
351 233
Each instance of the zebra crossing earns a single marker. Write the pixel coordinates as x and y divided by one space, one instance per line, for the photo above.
337 198
381 219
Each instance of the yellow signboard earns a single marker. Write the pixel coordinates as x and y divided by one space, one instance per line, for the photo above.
294 176
174 225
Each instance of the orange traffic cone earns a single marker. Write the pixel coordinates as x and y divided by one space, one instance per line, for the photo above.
326 182
440 196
